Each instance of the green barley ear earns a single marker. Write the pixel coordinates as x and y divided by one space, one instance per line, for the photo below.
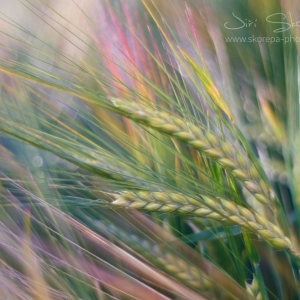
253 289
206 142
170 262
206 207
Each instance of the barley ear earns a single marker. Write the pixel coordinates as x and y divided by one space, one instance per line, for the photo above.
210 208
204 141
253 289
170 262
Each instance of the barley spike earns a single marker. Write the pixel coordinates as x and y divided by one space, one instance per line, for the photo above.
253 289
205 142
167 260
217 209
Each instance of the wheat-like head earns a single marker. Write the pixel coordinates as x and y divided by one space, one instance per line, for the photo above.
160 256
206 207
215 147
253 289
